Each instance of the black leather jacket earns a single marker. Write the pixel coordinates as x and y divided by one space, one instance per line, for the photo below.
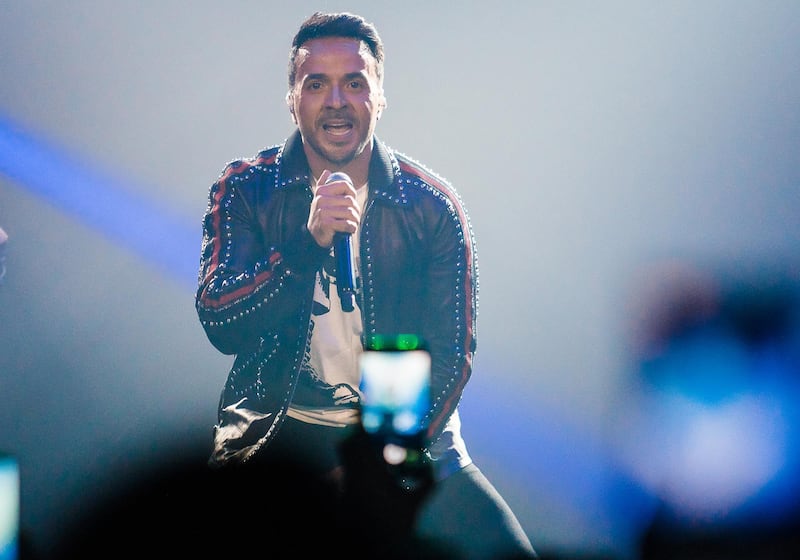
257 276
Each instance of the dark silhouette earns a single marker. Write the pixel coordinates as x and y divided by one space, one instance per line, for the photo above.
173 509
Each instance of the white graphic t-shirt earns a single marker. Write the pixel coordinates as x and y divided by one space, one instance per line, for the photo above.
335 343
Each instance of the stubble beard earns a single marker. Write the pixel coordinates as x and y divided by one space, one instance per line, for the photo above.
330 156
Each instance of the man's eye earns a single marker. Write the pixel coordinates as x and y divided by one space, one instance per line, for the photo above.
314 85
355 84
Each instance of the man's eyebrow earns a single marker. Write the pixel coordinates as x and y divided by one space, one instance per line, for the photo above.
325 77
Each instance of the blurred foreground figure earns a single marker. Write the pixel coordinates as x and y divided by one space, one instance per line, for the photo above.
179 508
713 426
313 246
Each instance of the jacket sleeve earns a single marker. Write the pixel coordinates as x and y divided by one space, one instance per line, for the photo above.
451 309
253 274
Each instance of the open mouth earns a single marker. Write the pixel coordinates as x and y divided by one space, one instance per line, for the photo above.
337 128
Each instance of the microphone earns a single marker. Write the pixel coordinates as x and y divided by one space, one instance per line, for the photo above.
343 254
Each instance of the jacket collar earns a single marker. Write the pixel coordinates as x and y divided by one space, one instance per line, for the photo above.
293 164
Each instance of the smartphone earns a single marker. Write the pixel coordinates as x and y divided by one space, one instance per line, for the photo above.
396 389
9 507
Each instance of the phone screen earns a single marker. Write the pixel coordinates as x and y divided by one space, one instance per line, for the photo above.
395 385
9 507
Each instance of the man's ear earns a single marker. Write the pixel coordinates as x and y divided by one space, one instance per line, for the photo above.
290 104
381 104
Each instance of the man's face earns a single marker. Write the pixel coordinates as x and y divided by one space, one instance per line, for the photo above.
336 101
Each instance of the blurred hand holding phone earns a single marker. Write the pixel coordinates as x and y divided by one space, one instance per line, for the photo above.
388 474
396 389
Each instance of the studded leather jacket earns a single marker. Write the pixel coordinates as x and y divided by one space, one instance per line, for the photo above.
258 271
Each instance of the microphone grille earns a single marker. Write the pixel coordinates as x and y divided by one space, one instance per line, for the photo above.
339 176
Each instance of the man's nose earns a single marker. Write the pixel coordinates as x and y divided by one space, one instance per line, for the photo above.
336 97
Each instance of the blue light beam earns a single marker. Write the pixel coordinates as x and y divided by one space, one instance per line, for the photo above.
106 203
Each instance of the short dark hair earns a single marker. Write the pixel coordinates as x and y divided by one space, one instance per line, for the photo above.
343 24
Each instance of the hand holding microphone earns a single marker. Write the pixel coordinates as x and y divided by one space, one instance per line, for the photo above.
333 219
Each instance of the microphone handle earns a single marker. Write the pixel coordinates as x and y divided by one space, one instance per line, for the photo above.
345 270
343 253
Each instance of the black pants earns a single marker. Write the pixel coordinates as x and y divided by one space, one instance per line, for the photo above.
464 512
469 512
